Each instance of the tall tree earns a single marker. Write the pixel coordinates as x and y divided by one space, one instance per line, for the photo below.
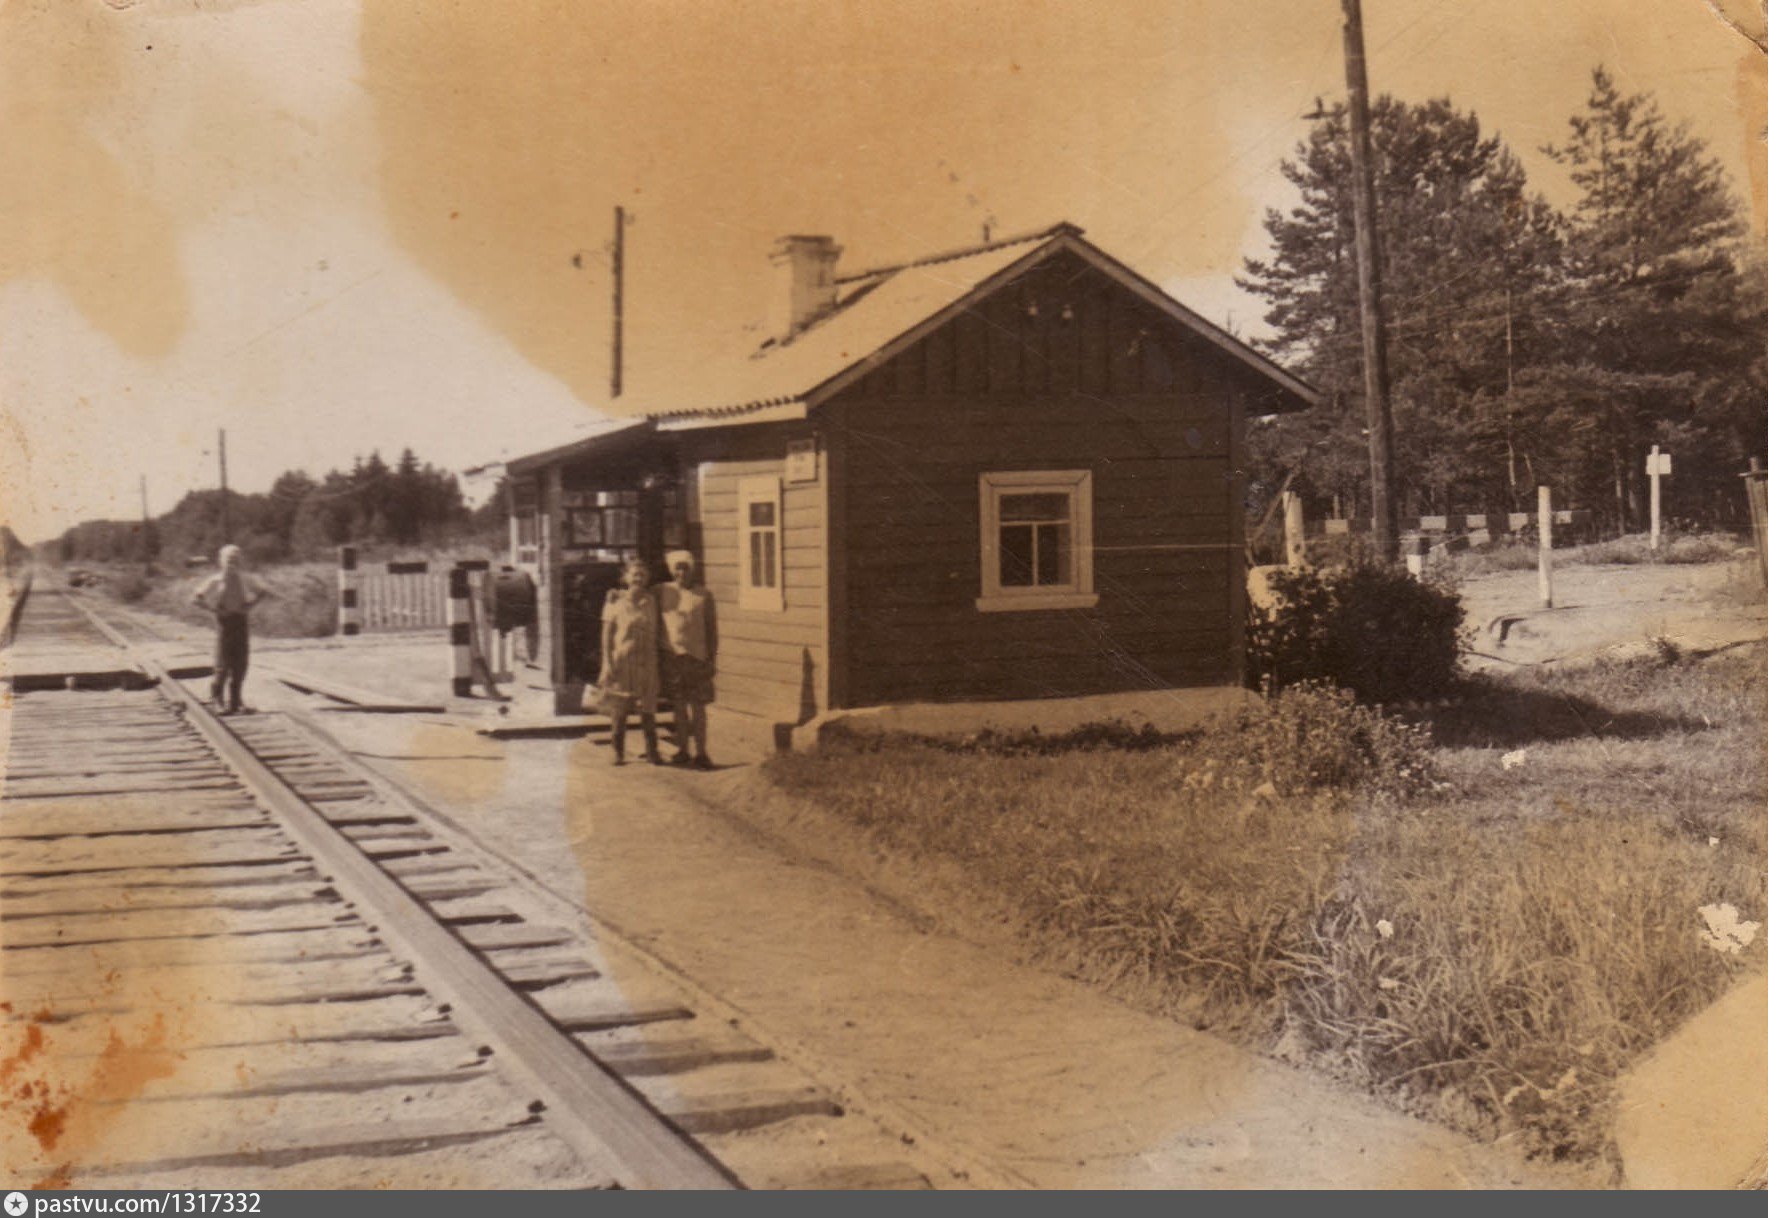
1465 244
404 500
1659 319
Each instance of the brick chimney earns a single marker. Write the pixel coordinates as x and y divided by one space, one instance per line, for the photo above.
804 268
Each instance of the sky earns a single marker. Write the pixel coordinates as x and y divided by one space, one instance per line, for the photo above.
331 226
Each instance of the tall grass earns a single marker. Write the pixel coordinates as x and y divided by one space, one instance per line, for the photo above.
303 600
1488 946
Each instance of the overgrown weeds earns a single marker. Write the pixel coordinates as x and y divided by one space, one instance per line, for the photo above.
1488 930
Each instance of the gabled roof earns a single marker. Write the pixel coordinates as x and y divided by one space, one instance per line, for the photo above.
879 313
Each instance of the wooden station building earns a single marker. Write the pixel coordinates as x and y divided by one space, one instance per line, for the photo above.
1005 472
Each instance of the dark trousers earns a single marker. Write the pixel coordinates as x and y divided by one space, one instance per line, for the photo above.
232 650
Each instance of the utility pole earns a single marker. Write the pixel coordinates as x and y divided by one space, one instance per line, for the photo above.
615 370
226 533
1385 526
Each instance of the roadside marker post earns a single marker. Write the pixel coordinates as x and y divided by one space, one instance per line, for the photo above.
1544 529
1657 467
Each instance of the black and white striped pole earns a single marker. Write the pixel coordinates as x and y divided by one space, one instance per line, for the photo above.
349 606
460 631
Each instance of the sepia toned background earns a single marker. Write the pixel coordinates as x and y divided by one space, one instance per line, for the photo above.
333 226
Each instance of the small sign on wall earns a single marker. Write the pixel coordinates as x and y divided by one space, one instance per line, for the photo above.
801 460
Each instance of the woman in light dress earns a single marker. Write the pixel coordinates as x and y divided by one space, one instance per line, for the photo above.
629 678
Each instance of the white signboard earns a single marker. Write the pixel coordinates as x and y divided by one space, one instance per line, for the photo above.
801 460
1657 463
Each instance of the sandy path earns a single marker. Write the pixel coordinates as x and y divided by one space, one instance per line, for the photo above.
1613 609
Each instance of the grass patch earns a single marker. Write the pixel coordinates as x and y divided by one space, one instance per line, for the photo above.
1386 902
303 600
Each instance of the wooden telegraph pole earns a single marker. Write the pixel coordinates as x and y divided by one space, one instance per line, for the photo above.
1385 527
617 356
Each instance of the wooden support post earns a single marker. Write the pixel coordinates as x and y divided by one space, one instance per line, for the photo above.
1295 543
1756 488
567 693
1651 470
1545 528
1656 466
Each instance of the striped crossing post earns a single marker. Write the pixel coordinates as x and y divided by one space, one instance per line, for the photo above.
349 607
460 631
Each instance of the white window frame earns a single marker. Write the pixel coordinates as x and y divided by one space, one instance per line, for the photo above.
750 593
1078 593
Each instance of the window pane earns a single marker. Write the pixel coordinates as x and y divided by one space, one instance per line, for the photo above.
767 552
620 526
1017 544
1051 506
586 527
755 565
761 515
1053 560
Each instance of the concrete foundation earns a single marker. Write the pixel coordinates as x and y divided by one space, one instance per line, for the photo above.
1165 710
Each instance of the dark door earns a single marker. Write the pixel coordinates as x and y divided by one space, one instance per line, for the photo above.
586 588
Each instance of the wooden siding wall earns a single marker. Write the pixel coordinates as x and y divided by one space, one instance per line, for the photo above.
1064 370
770 664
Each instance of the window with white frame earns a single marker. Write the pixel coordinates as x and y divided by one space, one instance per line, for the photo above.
1037 540
761 544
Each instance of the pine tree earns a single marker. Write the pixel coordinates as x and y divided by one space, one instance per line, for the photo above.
1464 246
1660 324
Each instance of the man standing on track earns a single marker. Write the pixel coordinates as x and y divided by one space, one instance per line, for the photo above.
230 594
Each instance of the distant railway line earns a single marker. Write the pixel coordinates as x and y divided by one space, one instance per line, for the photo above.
230 958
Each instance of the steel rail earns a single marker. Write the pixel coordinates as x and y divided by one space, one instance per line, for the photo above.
586 1105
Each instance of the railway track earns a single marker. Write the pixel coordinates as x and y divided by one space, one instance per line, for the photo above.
229 959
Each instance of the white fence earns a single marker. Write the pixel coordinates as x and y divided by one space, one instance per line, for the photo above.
411 600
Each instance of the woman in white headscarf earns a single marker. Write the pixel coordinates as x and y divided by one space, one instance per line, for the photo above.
690 655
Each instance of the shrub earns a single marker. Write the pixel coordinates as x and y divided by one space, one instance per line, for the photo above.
1314 737
1370 628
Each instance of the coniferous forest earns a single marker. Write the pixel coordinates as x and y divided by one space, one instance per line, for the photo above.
1529 344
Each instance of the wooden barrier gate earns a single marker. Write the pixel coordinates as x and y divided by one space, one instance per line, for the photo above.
400 596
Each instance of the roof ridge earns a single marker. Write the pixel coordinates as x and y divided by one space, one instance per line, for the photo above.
1061 228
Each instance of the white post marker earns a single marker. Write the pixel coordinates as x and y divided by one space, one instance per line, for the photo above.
1657 466
1544 528
1295 542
